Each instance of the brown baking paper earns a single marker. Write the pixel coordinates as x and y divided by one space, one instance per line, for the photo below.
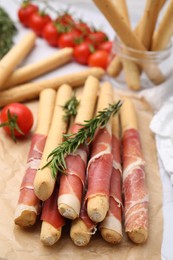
17 243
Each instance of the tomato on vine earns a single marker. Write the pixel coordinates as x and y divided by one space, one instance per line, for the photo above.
82 52
25 12
69 39
38 21
51 34
16 119
99 58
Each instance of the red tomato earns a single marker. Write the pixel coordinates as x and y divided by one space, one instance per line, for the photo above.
65 19
38 21
69 39
50 33
105 46
16 119
97 37
99 58
83 28
25 11
82 53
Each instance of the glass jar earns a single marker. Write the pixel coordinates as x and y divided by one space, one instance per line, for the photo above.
140 69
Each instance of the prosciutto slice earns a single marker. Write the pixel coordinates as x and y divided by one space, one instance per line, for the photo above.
27 198
100 164
72 183
50 212
134 188
113 220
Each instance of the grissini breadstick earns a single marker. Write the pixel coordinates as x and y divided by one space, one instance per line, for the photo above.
34 70
128 37
100 164
31 90
82 228
115 66
72 184
28 204
111 226
149 20
52 221
164 32
131 69
44 182
15 56
134 187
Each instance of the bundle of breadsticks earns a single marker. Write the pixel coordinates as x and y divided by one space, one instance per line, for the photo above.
150 34
100 192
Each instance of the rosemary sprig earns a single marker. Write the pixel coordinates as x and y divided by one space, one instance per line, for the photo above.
85 134
7 31
70 107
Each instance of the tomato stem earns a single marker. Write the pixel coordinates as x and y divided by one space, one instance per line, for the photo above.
12 124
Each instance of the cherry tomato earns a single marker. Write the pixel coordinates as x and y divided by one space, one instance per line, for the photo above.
16 119
105 46
25 11
99 58
38 21
50 33
83 28
82 53
65 19
69 39
97 37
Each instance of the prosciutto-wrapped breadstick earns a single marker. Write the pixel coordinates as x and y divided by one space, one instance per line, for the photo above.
31 90
44 180
134 186
82 228
71 184
164 32
15 56
28 204
36 69
111 226
100 163
52 221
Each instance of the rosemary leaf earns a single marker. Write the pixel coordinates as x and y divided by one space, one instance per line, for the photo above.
85 134
70 108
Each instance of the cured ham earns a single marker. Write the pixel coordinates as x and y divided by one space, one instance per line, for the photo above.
52 221
134 188
99 168
72 183
82 228
27 198
111 227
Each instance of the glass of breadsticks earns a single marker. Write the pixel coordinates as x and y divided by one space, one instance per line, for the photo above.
141 55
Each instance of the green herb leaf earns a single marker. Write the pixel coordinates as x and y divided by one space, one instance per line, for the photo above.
85 134
70 108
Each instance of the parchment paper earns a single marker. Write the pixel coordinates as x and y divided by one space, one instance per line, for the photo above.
17 243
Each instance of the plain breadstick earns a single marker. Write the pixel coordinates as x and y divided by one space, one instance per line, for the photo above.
97 201
15 56
131 69
128 120
28 206
128 37
163 34
44 181
34 70
69 202
115 66
31 90
149 20
136 206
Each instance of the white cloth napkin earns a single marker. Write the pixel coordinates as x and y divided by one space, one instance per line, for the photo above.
162 126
